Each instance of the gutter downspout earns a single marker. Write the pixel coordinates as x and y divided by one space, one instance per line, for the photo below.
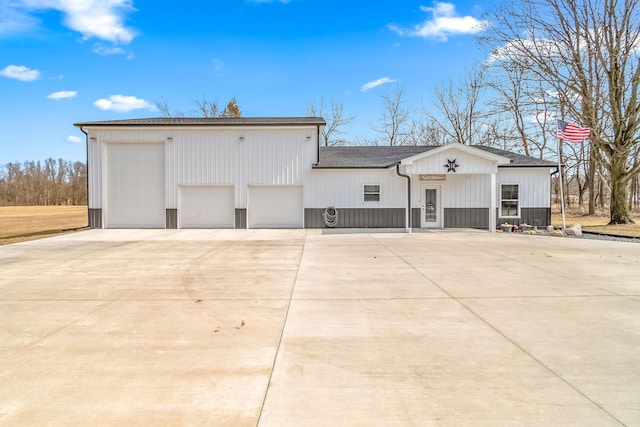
318 139
86 144
408 178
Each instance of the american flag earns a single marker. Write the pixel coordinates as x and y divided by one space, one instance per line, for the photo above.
571 132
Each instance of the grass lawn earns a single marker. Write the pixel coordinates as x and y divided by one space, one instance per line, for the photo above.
21 223
598 224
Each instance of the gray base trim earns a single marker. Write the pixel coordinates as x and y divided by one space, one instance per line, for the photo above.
241 218
358 218
466 218
171 219
539 217
416 217
95 218
379 218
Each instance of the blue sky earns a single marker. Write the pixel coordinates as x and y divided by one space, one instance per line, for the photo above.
66 61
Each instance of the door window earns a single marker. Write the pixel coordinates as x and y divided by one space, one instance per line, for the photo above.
431 205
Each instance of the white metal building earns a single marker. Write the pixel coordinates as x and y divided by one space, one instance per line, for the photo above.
272 173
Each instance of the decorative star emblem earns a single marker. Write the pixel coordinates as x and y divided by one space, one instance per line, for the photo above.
451 165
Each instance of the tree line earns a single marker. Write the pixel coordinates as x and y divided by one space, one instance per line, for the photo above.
52 182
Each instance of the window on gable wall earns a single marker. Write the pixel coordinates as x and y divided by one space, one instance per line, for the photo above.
509 201
371 193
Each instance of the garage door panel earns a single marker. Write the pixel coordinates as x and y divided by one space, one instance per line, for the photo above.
135 186
207 206
275 206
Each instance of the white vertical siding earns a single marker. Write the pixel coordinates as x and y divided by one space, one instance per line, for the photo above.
458 191
215 156
342 188
473 191
263 156
535 188
467 191
94 164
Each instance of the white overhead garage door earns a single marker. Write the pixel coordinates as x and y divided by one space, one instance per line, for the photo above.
135 186
206 206
275 206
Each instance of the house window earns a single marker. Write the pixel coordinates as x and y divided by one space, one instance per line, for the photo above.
371 193
509 201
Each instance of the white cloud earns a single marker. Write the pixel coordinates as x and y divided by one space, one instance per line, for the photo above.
63 94
443 23
74 139
13 19
122 103
20 72
106 51
102 19
521 49
370 85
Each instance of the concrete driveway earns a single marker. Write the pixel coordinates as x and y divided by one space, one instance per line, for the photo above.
301 328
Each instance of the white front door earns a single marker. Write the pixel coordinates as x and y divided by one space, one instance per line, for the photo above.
431 208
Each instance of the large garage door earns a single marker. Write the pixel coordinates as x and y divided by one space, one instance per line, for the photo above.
135 186
210 206
275 206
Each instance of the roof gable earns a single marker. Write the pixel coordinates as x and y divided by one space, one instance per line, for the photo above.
451 149
455 159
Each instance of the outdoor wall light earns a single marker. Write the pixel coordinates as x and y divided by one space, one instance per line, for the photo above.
308 138
241 139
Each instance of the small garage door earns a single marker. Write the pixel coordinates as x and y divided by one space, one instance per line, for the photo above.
135 186
275 206
206 206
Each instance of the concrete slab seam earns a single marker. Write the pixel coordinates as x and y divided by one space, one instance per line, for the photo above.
490 325
284 325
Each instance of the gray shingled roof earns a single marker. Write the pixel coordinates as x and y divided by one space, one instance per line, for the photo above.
518 159
213 121
384 157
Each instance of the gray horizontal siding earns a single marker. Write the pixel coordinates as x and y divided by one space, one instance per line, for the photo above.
466 218
171 218
358 218
95 218
241 218
416 217
539 217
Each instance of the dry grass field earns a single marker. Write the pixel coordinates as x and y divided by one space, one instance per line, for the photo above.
21 223
598 224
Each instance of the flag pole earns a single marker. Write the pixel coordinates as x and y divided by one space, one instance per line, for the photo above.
564 223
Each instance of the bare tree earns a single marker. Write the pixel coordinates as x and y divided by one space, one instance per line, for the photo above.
336 121
205 108
459 105
208 108
589 49
426 132
392 126
163 107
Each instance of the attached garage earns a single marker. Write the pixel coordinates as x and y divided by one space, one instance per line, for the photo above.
275 206
135 186
206 206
